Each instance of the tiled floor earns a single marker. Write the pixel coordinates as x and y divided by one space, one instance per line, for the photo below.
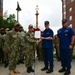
38 66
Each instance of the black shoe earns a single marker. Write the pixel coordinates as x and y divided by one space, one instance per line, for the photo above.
2 61
28 69
18 63
43 69
62 70
22 62
58 59
49 71
31 69
67 72
6 65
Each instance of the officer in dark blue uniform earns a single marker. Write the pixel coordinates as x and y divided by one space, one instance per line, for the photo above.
47 46
66 40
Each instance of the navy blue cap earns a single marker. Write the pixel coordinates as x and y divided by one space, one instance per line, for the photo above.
46 22
64 20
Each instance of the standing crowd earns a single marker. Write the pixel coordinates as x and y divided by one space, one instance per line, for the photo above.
18 46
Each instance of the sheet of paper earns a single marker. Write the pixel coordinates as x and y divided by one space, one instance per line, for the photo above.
37 34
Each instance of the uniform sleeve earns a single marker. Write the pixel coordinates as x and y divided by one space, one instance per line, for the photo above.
30 39
8 40
0 41
42 34
71 32
3 41
51 33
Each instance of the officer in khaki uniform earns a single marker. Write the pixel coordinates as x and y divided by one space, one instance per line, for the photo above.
30 43
13 44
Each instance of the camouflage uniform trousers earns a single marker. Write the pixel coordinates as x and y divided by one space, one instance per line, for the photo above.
40 55
21 53
13 59
29 57
57 53
6 54
1 55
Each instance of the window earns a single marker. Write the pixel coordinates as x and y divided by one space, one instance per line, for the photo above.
1 3
64 12
70 18
70 25
64 0
64 16
70 10
64 6
72 0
